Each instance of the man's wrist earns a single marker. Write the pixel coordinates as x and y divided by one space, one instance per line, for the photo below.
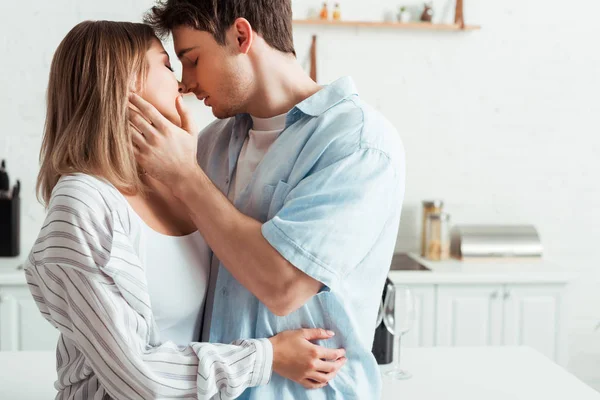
188 181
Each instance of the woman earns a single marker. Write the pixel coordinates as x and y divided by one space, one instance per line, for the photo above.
119 267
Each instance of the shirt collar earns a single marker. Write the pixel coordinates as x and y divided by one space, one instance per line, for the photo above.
328 97
318 103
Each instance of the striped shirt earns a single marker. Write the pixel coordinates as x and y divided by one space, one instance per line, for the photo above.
85 274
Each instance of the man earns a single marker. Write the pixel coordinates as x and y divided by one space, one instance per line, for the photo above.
297 188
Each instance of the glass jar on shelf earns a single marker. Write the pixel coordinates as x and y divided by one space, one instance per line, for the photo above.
429 207
437 232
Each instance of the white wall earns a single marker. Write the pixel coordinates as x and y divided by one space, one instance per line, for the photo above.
501 123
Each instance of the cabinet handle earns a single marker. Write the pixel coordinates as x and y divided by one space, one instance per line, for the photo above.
494 295
507 295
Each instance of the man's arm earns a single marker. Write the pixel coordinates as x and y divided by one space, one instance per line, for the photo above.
239 244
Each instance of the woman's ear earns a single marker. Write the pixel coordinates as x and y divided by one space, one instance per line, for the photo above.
135 85
133 88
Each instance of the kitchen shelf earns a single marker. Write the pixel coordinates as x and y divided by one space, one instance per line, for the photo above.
426 26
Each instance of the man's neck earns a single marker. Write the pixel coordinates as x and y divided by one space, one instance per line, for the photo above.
281 83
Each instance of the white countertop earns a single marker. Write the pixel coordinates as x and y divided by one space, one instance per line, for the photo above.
9 274
485 373
484 271
14 277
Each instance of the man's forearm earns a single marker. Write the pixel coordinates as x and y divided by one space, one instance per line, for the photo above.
237 241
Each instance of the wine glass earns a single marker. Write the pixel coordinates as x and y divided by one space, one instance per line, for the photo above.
399 317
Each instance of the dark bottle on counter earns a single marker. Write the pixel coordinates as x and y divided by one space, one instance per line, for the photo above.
383 345
4 182
10 210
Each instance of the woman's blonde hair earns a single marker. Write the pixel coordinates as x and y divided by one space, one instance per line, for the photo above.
87 126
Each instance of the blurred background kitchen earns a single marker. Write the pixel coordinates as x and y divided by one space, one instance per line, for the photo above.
499 115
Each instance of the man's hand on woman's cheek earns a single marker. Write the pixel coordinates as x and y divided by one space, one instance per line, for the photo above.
164 150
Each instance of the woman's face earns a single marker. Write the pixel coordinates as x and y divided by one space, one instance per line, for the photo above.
161 87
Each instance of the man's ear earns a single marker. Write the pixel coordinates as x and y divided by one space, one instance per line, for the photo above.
242 35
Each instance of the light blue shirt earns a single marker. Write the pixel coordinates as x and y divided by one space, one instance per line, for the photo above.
329 192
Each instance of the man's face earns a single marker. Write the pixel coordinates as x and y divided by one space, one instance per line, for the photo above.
219 75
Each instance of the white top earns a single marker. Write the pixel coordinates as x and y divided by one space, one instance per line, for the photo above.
263 134
177 269
460 373
483 373
87 275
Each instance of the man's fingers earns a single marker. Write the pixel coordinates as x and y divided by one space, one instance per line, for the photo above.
331 366
150 112
310 384
143 127
187 122
139 141
317 333
330 354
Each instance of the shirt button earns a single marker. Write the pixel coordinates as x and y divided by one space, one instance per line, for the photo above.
224 292
227 180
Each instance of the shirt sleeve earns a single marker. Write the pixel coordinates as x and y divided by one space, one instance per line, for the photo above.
66 276
332 218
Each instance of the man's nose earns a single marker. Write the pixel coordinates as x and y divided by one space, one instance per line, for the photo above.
186 86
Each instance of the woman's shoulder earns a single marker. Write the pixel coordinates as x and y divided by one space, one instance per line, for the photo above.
84 192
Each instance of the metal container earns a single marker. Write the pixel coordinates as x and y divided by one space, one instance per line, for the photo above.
495 241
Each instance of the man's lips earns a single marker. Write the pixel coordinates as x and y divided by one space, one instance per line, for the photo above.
203 97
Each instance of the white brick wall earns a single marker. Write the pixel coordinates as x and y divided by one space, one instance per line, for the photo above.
501 123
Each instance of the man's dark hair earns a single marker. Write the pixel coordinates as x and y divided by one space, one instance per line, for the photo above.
271 19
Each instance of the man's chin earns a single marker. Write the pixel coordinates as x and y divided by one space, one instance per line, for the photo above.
220 114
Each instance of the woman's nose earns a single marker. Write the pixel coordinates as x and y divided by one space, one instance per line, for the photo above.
182 88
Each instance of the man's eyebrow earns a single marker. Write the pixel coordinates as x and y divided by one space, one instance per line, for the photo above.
182 52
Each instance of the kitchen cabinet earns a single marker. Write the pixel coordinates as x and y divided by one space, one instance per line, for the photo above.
472 314
534 316
489 303
22 327
422 333
469 315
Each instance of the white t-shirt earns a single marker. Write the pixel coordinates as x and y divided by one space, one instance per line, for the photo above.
177 271
263 134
